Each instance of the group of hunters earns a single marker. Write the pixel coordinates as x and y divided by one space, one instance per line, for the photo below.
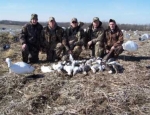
58 43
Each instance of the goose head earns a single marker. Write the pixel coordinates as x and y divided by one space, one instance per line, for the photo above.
99 61
71 58
8 61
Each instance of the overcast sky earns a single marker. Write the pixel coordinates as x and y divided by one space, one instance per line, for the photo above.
123 11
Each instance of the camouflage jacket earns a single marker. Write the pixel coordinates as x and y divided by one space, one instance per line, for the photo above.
95 35
49 38
113 38
76 35
30 34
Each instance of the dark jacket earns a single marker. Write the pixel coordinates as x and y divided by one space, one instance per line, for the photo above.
30 34
75 34
95 35
114 38
49 38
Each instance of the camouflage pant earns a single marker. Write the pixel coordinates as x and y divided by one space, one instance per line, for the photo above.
114 53
76 51
30 53
117 51
57 53
97 50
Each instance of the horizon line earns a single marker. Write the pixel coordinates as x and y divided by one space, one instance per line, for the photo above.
69 22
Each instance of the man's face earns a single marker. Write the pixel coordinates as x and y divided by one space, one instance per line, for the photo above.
74 24
52 23
95 24
34 21
112 25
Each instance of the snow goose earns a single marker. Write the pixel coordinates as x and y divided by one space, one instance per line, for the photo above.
85 68
46 69
97 65
115 66
90 61
130 46
95 68
58 67
97 61
76 70
144 37
126 35
71 58
69 68
78 62
19 67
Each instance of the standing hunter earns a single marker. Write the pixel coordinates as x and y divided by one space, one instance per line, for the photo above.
30 40
54 41
75 37
95 38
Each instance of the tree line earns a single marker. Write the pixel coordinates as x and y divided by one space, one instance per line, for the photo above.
127 27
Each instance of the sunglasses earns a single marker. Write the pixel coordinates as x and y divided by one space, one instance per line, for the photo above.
74 22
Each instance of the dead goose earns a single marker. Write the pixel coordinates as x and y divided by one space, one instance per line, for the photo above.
46 69
85 68
76 70
58 67
115 65
69 68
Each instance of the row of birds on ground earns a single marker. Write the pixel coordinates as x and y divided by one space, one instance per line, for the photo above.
72 66
75 66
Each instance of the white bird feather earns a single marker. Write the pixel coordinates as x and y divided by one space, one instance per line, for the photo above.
19 67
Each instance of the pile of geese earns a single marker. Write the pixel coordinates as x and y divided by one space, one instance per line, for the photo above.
72 67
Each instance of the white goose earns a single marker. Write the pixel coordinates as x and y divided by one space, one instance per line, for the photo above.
144 37
97 65
130 46
46 69
76 70
95 68
90 61
68 69
71 58
58 67
85 68
97 61
115 65
19 67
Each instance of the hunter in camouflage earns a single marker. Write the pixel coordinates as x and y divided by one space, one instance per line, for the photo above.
95 38
75 37
113 40
54 41
30 40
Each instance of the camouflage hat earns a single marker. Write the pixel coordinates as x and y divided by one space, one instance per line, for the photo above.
51 18
34 16
74 19
96 19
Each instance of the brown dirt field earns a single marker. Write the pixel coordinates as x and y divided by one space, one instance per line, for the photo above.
125 93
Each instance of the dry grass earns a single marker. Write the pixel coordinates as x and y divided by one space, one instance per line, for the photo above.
10 53
125 93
